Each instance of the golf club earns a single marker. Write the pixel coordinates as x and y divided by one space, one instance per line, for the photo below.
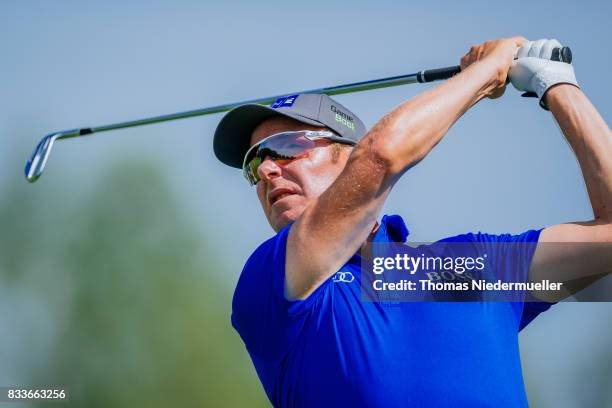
36 164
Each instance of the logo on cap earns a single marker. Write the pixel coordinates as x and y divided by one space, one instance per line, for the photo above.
284 102
344 118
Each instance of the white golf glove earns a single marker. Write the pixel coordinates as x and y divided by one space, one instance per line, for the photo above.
534 72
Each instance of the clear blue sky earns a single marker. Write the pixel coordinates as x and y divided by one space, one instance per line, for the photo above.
503 168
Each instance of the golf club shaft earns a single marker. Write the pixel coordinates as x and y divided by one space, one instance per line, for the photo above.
36 164
420 77
430 75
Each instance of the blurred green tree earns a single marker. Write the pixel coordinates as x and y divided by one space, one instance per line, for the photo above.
130 288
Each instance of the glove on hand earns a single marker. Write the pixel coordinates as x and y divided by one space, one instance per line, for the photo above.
534 72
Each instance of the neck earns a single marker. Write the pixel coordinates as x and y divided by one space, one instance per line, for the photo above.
375 228
365 248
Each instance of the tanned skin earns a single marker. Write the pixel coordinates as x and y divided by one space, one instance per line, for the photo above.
335 204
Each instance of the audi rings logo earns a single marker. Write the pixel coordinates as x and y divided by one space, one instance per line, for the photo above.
346 277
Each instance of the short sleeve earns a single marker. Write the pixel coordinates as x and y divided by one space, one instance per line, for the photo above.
513 261
267 322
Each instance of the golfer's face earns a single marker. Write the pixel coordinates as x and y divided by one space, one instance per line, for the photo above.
286 189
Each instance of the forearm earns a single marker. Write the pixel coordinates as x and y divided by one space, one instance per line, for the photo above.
591 140
345 213
586 255
397 142
337 223
407 134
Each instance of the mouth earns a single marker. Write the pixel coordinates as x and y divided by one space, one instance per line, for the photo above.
278 195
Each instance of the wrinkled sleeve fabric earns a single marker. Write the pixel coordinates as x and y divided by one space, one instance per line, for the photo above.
513 261
267 322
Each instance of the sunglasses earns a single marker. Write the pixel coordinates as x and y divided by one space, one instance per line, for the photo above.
283 148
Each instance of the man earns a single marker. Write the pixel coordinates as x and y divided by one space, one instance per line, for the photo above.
322 181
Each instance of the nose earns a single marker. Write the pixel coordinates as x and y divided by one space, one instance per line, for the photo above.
268 170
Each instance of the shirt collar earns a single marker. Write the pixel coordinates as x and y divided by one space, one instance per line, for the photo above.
392 229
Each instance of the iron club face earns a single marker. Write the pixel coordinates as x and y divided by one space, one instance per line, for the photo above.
36 164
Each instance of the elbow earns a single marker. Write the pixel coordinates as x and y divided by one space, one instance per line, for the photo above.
374 163
388 156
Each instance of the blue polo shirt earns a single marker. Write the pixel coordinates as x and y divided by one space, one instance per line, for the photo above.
335 350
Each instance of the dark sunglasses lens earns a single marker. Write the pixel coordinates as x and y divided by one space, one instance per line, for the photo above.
284 146
250 171
289 144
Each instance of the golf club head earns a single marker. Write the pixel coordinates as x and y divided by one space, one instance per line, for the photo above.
36 164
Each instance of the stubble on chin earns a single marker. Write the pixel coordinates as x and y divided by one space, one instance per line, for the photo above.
280 221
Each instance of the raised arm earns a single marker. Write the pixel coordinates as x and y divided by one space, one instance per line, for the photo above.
333 228
580 253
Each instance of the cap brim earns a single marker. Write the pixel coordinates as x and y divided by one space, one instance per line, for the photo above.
233 134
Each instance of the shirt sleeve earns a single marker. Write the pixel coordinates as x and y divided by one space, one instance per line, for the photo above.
513 261
267 322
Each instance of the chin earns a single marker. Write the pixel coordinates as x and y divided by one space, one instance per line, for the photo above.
286 217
